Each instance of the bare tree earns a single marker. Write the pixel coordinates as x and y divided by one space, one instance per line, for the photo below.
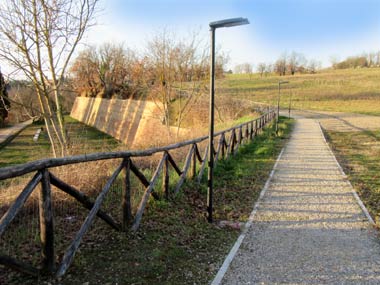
175 72
261 67
371 56
281 64
106 71
85 74
160 59
244 68
377 59
295 62
221 61
24 102
38 39
313 66
114 66
292 63
247 69
269 69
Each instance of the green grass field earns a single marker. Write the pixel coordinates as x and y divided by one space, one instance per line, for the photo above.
83 139
348 90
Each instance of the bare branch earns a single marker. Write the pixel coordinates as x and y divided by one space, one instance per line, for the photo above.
38 38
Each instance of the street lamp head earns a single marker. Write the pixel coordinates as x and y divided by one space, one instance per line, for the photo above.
229 23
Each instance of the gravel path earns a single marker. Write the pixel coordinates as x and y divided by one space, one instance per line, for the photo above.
339 121
308 228
6 134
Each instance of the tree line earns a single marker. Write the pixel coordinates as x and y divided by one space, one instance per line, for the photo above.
286 64
370 59
167 64
292 63
170 69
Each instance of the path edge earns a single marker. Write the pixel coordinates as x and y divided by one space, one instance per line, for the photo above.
226 264
354 193
13 134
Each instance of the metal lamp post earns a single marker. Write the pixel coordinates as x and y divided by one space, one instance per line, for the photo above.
278 102
213 26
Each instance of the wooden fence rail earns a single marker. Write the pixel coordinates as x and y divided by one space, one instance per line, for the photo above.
228 144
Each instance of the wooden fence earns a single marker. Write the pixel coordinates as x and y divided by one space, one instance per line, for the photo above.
227 144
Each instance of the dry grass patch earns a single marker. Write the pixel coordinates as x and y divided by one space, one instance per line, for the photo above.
358 153
348 90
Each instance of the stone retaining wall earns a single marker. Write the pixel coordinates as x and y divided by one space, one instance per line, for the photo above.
130 121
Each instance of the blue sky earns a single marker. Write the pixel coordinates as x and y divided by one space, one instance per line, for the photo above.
317 28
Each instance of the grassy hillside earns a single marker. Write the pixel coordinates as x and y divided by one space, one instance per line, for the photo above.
348 90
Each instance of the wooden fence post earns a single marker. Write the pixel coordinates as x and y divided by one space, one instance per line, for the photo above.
46 223
233 139
165 180
251 131
238 140
230 144
126 198
224 146
194 163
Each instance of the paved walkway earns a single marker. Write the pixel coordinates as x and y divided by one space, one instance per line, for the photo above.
309 227
7 133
